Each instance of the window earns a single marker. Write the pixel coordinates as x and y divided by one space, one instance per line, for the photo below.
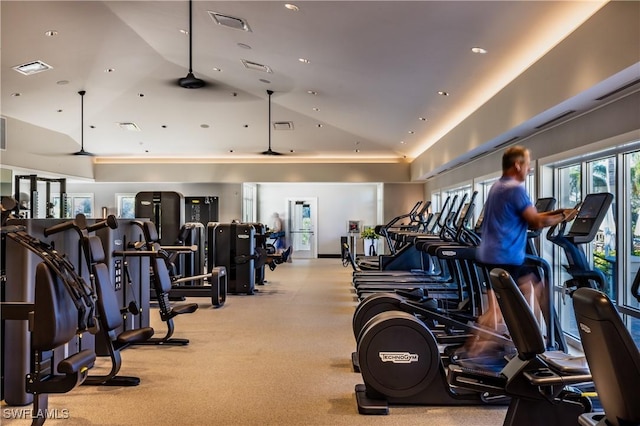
126 206
601 177
76 204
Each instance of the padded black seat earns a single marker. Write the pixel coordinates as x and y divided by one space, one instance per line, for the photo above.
535 379
55 322
110 315
613 357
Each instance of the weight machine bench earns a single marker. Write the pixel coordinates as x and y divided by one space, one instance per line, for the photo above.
535 379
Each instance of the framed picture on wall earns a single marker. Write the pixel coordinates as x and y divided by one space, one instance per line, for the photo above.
353 226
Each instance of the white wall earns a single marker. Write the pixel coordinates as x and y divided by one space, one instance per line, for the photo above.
337 204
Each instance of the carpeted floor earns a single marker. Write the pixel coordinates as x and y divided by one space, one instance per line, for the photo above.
279 357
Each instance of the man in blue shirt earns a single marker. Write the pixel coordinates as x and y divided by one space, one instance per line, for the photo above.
508 214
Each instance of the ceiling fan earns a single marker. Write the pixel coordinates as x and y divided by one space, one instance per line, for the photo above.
191 81
82 151
269 151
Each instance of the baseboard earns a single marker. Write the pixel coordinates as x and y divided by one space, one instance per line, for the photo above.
329 256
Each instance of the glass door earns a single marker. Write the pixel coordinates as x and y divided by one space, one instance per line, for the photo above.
302 227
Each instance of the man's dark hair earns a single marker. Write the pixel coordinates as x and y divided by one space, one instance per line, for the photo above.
512 155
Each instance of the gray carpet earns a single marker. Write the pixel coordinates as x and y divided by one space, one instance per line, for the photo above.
279 357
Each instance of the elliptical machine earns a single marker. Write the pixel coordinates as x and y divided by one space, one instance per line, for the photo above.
400 360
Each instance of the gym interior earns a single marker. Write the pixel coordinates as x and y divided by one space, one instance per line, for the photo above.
288 234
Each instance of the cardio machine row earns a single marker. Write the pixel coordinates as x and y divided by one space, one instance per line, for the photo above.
404 360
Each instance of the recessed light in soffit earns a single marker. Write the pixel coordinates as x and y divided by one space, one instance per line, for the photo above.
229 21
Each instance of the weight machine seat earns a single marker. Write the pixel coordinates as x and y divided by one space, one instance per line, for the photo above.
110 316
612 355
535 379
110 312
55 322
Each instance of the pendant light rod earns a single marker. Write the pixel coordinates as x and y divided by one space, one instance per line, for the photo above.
190 35
269 92
82 93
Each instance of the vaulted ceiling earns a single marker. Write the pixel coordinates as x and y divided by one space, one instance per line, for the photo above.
351 80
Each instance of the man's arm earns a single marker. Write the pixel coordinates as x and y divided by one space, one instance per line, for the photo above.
542 220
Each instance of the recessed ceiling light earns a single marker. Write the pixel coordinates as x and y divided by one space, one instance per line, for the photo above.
320 125
478 50
443 93
411 132
62 82
204 126
265 81
51 33
422 119
304 60
356 150
291 151
141 95
402 142
217 69
32 67
92 126
292 7
16 94
164 126
244 46
312 92
59 110
316 109
185 32
230 150
109 70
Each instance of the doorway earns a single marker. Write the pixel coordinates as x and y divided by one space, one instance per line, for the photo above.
302 213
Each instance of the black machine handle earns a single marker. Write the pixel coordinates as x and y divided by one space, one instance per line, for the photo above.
79 223
109 222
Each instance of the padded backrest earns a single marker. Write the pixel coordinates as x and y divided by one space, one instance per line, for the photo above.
522 325
150 232
613 357
96 249
161 277
108 306
55 314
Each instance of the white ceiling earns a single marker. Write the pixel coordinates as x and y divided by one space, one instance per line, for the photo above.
377 66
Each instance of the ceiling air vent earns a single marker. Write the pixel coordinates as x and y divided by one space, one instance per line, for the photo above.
229 21
283 125
256 66
131 127
618 90
555 119
507 142
33 67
